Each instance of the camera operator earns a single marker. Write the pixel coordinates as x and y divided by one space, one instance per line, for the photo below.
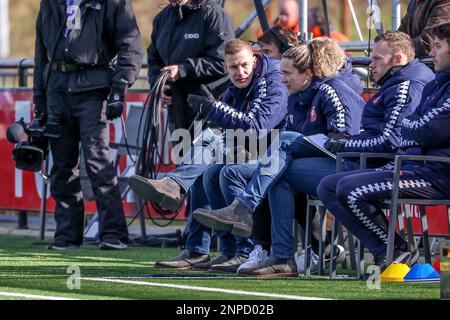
188 40
77 87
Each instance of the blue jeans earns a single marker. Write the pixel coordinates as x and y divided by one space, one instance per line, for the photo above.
303 175
204 152
220 196
289 146
233 179
199 236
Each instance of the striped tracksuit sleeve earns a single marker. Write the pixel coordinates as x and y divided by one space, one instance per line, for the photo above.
262 112
387 139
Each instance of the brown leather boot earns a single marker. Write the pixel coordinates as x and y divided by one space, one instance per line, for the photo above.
165 192
236 218
185 260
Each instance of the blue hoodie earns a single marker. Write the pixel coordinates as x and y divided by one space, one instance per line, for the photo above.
326 106
262 105
427 132
397 98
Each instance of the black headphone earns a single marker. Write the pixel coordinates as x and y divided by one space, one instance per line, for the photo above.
285 45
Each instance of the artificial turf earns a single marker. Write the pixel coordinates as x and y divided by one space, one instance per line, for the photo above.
27 267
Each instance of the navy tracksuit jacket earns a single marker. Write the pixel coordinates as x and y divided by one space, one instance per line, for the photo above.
326 106
262 105
397 98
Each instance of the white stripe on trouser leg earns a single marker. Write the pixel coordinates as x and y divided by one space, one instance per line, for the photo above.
357 193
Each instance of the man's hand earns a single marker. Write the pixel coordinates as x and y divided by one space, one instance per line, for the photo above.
336 142
114 107
174 72
201 103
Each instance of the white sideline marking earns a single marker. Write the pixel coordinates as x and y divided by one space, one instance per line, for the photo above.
206 289
33 296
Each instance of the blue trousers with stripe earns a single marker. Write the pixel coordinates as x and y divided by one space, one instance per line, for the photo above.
353 197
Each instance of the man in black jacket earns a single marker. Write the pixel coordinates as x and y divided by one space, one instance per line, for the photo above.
188 40
76 86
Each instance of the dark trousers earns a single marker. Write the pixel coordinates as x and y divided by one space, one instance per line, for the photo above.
83 123
353 197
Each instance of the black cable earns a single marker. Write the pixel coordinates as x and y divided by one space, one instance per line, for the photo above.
124 133
136 215
150 158
163 213
151 127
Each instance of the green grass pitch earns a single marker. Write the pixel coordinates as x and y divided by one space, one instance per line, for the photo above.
27 267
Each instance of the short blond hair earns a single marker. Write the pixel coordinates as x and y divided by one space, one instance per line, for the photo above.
397 42
235 46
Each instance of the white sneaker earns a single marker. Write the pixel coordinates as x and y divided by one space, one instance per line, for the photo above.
256 258
314 262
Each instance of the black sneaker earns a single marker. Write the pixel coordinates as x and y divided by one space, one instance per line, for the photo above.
206 265
273 267
185 260
62 246
231 265
112 244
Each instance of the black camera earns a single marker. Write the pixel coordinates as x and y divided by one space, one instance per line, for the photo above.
29 154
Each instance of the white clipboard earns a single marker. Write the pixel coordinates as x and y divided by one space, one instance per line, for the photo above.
318 141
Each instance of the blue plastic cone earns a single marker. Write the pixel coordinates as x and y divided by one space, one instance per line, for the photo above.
422 273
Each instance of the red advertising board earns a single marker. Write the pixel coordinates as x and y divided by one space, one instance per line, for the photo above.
21 190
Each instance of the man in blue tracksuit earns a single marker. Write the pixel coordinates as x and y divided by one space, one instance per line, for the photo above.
322 110
256 101
353 197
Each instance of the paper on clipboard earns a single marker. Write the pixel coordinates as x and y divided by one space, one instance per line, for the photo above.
318 141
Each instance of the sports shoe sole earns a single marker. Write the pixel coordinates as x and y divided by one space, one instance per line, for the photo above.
62 248
148 192
112 247
213 270
216 223
254 266
271 275
409 257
